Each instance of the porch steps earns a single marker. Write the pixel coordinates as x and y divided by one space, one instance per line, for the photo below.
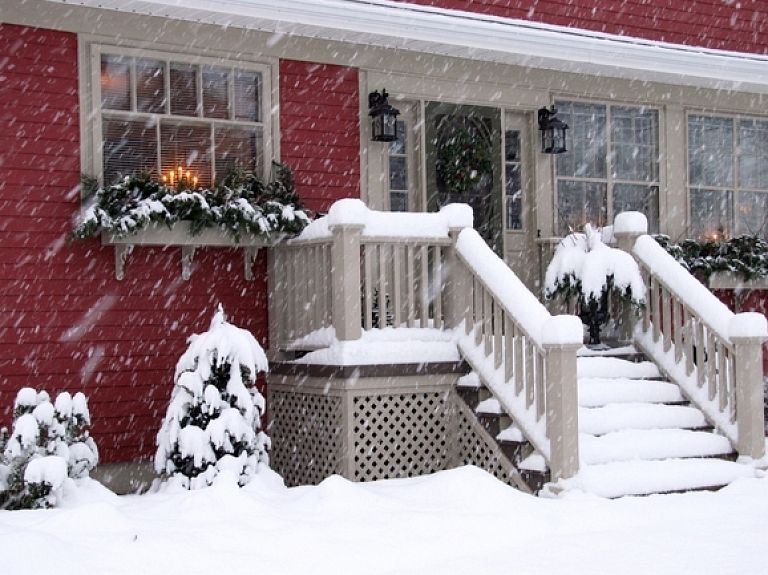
638 435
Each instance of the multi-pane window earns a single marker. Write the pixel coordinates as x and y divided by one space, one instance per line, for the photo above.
727 176
159 115
612 165
398 170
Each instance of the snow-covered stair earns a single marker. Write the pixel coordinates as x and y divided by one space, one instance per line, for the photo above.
638 435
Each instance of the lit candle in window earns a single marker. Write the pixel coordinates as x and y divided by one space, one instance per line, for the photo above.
194 180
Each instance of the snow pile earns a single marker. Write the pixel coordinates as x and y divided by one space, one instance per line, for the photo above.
48 444
214 418
450 523
353 212
584 266
385 346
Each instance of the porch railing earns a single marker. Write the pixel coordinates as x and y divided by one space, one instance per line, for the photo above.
524 355
352 276
714 355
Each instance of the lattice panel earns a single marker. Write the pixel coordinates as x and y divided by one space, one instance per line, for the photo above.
399 435
306 431
472 447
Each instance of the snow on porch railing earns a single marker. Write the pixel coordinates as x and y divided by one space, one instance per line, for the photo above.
357 268
525 356
714 355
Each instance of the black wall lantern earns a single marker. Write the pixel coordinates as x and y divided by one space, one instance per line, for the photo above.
383 117
552 132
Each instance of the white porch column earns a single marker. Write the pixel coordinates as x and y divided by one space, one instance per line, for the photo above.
747 334
345 281
561 338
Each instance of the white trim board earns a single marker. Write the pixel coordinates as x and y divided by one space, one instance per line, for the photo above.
479 37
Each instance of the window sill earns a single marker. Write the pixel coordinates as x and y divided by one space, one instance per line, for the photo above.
179 235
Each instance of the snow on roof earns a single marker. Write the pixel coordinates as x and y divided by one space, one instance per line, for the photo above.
468 35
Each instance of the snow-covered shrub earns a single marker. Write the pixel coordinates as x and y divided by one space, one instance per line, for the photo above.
213 420
586 270
48 443
585 267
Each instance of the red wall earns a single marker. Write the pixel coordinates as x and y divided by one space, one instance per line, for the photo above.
740 26
320 130
65 322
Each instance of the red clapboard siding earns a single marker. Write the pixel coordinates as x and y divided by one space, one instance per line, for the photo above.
738 26
65 323
320 130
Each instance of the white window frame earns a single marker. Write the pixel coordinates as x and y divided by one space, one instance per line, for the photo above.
731 193
610 180
93 162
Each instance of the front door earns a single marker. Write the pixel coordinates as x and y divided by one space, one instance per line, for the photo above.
464 164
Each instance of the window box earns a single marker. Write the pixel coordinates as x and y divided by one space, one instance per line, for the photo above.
179 234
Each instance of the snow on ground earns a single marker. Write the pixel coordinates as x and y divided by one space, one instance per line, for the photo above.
459 521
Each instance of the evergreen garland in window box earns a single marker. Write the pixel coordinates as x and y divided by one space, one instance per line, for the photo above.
240 204
744 256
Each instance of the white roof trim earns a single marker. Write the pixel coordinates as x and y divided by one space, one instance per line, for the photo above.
452 33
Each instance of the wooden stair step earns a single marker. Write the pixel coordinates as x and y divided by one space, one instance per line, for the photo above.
624 478
600 391
652 444
601 366
618 416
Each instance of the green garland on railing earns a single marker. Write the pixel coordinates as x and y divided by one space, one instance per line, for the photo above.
240 204
746 256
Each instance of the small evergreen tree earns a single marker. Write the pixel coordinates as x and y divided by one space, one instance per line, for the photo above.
48 443
214 417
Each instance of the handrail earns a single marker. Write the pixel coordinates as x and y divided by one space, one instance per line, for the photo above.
714 355
524 355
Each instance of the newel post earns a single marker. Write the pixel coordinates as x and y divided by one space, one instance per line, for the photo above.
747 333
561 338
458 284
345 281
627 227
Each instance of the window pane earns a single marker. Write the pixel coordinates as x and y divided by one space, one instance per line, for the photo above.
115 82
710 151
514 193
579 203
638 198
248 96
512 146
188 148
398 202
150 86
399 146
183 90
586 157
635 144
753 154
711 213
216 93
129 148
753 213
238 148
398 174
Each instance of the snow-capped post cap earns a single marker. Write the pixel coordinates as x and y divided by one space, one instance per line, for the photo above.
630 223
349 212
562 330
748 325
458 216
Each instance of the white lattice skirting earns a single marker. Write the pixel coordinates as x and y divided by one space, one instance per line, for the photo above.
369 428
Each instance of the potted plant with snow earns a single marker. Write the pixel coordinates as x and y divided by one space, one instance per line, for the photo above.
586 270
213 422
